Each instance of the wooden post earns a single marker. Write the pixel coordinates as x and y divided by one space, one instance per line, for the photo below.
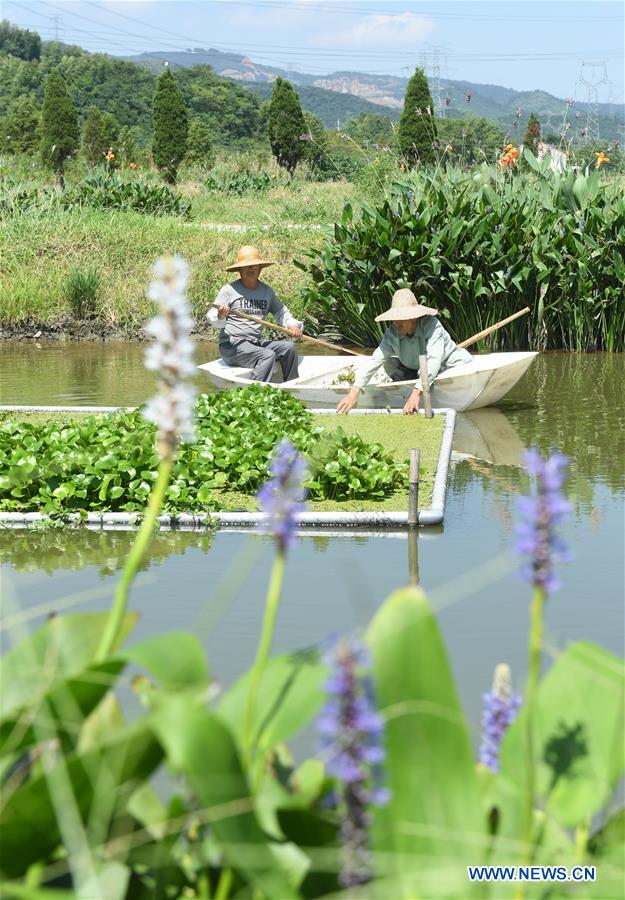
413 557
413 489
423 375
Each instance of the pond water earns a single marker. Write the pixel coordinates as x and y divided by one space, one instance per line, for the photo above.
215 585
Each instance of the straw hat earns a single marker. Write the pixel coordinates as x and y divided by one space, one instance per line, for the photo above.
249 256
404 305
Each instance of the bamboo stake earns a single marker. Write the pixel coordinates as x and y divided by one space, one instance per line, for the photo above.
423 375
413 488
305 337
487 331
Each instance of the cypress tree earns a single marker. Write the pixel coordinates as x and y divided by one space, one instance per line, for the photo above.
200 145
416 132
170 126
59 124
99 134
532 133
22 127
286 125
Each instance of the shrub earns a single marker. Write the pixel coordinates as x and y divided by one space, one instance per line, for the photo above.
110 191
81 291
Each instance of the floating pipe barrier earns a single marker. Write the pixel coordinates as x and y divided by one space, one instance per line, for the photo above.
432 516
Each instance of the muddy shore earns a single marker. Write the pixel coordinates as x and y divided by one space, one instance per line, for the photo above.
72 330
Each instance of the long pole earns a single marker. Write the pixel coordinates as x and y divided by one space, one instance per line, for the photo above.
304 337
487 331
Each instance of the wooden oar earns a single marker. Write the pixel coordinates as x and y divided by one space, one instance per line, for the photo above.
304 337
487 331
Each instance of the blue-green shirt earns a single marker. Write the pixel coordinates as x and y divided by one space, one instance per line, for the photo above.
429 338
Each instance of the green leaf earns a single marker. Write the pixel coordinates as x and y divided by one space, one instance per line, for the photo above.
29 824
289 696
434 814
50 669
200 745
176 659
579 727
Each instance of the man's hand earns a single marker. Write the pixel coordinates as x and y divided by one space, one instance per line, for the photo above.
412 403
223 311
296 332
348 402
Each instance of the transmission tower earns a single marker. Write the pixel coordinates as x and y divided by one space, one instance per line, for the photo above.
592 76
58 24
430 62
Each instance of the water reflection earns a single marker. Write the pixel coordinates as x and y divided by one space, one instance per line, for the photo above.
50 549
489 435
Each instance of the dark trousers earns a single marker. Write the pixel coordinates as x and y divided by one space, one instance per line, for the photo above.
261 357
397 371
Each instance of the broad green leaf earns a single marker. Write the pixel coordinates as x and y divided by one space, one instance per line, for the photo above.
60 649
433 826
289 696
176 660
29 824
579 734
200 745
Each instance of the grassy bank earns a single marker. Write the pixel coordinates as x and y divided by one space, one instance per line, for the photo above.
40 250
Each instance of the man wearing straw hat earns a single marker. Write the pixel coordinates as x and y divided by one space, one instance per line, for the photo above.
240 341
414 331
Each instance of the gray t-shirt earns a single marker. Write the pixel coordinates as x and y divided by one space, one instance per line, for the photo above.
258 302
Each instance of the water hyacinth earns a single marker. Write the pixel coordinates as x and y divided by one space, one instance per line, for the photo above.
540 515
500 711
282 496
171 355
351 734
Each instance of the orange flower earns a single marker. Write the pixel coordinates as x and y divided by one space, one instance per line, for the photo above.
110 155
133 166
601 159
449 149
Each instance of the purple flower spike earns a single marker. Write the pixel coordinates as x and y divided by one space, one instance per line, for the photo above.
539 516
282 496
500 710
351 743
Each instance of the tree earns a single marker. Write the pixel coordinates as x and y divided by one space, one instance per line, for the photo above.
170 126
316 148
19 42
59 124
100 133
368 129
416 132
200 145
127 146
286 125
20 130
532 133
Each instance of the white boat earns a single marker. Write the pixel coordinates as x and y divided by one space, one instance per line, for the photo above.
324 380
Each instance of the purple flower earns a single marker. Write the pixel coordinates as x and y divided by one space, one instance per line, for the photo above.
489 209
282 496
351 734
539 515
500 710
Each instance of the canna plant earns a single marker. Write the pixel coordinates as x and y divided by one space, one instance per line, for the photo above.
479 246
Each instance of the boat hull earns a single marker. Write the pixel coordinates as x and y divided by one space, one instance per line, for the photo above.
324 381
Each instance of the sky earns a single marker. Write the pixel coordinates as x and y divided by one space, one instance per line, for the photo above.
561 46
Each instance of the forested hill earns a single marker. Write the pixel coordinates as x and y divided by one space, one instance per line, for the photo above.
126 89
332 107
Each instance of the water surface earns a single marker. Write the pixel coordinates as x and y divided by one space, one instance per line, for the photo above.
215 585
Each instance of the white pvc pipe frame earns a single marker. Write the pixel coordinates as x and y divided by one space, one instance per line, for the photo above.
189 521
